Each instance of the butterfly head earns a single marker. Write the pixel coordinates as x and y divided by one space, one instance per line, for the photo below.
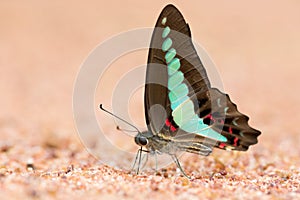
142 138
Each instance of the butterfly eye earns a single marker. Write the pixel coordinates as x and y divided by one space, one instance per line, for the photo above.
141 140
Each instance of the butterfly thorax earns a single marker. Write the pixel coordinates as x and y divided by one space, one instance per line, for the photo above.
155 144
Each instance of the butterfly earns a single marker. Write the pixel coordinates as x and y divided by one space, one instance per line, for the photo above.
183 112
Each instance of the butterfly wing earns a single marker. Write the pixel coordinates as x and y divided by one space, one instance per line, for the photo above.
178 95
156 88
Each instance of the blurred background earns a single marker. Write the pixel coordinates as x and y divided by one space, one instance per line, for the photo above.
254 44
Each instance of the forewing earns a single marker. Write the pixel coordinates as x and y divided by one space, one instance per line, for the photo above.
170 26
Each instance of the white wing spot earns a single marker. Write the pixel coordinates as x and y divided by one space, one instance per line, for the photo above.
234 122
219 102
226 109
164 20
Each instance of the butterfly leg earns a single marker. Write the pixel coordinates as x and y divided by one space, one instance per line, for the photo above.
138 159
156 163
179 166
145 157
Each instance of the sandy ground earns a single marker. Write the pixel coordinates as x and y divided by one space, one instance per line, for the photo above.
255 46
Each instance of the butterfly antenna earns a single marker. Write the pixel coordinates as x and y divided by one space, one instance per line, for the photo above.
123 120
126 130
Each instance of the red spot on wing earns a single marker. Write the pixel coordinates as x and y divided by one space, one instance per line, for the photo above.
222 145
168 123
172 128
235 141
209 116
230 130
